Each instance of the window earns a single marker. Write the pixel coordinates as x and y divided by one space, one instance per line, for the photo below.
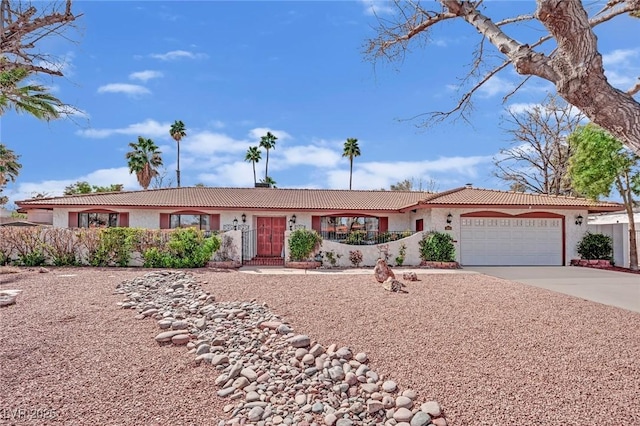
338 227
200 221
97 220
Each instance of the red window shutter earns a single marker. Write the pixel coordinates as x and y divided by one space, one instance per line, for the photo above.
316 224
164 221
73 219
214 222
123 220
383 224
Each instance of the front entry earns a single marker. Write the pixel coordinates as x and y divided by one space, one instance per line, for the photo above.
271 236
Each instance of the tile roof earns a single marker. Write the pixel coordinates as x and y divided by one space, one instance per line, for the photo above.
311 199
475 196
246 198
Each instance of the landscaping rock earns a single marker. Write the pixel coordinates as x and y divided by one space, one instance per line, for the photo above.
382 271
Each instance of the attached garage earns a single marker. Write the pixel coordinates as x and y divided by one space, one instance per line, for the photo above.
512 241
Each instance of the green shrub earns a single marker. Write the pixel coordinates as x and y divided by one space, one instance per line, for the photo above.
595 246
303 242
356 238
62 246
187 248
402 253
34 258
437 247
114 247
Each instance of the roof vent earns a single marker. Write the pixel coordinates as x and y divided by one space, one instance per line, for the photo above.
468 185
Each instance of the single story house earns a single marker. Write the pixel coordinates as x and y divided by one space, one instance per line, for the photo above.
489 227
616 225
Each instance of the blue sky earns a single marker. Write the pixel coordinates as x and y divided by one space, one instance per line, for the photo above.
231 71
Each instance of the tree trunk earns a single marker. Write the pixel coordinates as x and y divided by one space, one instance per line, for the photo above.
575 67
178 165
266 168
254 173
350 172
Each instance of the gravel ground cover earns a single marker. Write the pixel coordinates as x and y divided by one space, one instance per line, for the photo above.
491 352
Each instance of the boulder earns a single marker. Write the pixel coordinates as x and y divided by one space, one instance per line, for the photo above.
382 271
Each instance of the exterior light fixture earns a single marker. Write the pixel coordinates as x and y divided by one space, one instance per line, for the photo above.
293 218
579 219
449 218
244 218
235 224
291 224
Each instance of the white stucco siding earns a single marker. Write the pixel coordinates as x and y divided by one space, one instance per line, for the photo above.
573 233
399 222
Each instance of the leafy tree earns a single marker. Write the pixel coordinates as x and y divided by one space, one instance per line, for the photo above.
144 160
254 155
351 150
567 56
9 169
177 132
24 27
83 187
269 180
30 98
538 158
268 142
600 163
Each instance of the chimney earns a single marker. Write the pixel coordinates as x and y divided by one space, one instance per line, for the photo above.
468 185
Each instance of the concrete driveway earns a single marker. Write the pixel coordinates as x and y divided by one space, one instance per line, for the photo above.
610 288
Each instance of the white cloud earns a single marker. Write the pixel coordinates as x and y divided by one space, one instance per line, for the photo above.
311 155
521 108
377 7
619 57
209 143
377 175
148 128
621 80
495 86
259 132
100 177
71 111
218 124
178 54
129 89
145 75
230 174
64 64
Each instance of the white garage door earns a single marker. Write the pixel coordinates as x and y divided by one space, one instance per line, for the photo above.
505 241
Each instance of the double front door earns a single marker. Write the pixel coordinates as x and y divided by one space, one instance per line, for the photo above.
271 236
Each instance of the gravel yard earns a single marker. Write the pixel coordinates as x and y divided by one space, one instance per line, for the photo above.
491 352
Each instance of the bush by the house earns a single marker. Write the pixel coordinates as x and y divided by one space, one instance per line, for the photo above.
187 248
437 247
34 246
596 247
303 242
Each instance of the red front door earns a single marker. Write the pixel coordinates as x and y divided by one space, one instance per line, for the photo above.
271 236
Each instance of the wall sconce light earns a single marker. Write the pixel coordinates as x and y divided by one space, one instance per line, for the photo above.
293 218
244 218
579 219
292 221
449 218
235 224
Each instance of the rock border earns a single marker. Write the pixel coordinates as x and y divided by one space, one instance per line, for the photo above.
270 374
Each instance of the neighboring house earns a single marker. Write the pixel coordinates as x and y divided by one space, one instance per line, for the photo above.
616 225
489 227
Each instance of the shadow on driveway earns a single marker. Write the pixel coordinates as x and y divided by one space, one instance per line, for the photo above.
608 287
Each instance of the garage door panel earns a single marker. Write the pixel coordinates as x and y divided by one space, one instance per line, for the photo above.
506 241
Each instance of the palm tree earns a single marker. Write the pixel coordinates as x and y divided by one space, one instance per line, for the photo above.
9 166
177 132
30 98
268 142
269 180
351 150
254 155
144 159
